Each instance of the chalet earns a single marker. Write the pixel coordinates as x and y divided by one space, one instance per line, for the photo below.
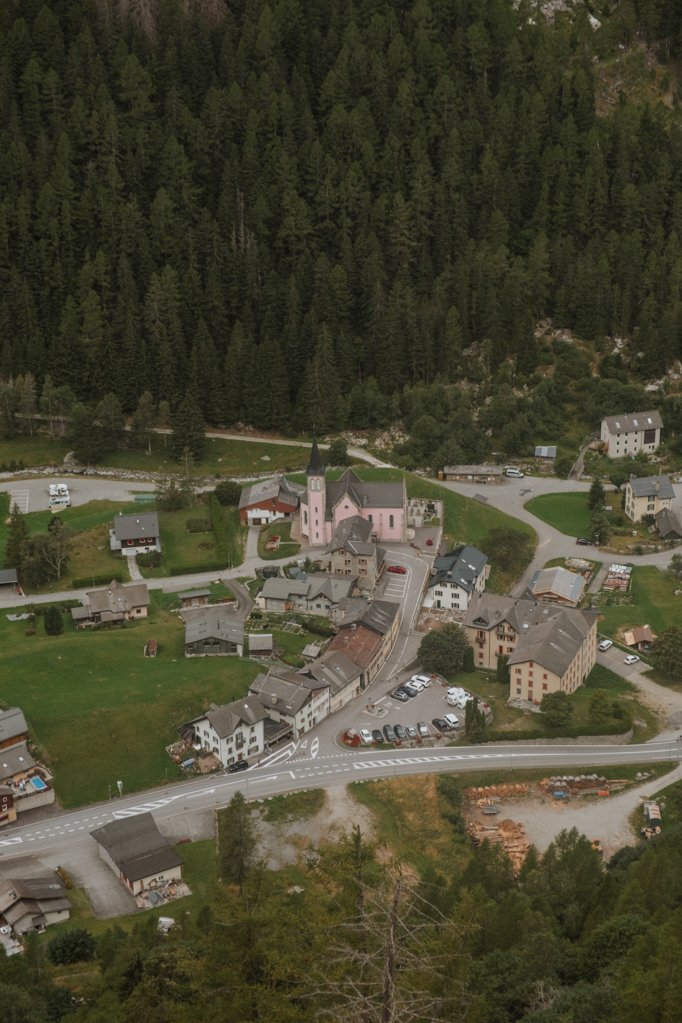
232 731
135 534
647 495
194 598
474 473
316 594
668 525
13 727
260 644
343 677
213 633
116 603
327 503
368 639
295 700
138 853
640 638
33 903
267 500
353 552
557 585
627 435
456 577
548 648
8 814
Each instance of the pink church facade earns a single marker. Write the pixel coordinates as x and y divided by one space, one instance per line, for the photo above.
327 503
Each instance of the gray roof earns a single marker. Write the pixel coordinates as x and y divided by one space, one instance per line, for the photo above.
384 494
131 527
569 585
14 760
554 643
379 616
277 488
279 588
260 642
335 669
12 723
226 718
667 523
194 593
8 577
353 535
137 847
460 567
285 691
633 422
545 452
651 486
81 614
32 896
117 597
473 470
213 623
334 587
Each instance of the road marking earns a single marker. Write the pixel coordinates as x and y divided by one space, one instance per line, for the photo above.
21 499
284 754
314 748
11 841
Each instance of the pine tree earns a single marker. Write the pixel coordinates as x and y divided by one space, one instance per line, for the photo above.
17 535
187 429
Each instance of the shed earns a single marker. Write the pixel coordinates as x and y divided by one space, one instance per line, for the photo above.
260 644
194 598
138 853
546 453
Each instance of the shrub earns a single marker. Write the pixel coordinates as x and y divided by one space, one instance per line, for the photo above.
199 566
150 560
54 623
198 526
72 947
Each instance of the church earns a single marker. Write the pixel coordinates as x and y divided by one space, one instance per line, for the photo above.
327 503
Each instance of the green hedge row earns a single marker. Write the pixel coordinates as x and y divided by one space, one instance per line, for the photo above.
97 580
222 525
200 566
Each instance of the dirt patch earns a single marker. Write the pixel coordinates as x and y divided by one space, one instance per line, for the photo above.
287 842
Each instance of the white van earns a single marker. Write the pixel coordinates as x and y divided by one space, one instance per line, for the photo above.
515 474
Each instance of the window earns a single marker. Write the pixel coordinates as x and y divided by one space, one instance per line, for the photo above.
545 675
390 522
518 690
545 686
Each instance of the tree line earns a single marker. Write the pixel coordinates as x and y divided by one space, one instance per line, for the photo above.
295 214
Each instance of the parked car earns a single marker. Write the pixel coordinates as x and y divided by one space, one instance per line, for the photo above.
424 679
398 569
423 729
582 541
400 732
366 736
605 644
631 658
240 765
401 694
415 683
429 542
411 731
440 724
389 734
452 720
377 735
515 474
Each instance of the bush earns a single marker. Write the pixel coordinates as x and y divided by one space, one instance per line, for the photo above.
198 526
199 566
228 493
54 623
150 560
72 947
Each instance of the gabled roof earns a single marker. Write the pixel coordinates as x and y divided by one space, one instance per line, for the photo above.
8 577
214 623
548 451
280 588
358 643
632 422
276 488
651 486
473 470
460 567
667 523
137 847
14 760
379 494
354 535
560 581
228 717
131 527
117 597
640 634
554 643
12 723
378 617
334 587
260 642
335 669
32 896
284 691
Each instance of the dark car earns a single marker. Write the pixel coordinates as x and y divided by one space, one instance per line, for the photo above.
440 725
377 735
401 694
400 732
582 541
241 765
411 731
389 734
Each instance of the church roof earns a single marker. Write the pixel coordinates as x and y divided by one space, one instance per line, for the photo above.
315 465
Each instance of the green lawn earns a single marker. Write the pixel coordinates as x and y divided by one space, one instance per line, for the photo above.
221 457
566 512
101 711
653 603
288 548
185 552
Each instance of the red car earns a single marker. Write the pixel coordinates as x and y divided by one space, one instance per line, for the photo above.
398 569
429 542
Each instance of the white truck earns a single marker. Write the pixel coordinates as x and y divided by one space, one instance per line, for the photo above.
59 495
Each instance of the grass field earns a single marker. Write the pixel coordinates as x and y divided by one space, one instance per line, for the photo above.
566 512
288 548
100 710
654 603
221 457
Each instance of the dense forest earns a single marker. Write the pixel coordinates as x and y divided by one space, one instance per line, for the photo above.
308 212
351 937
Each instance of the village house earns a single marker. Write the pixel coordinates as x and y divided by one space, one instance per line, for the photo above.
27 781
367 640
340 674
33 903
627 435
325 504
316 594
292 699
456 577
13 727
194 598
474 473
232 732
135 534
549 648
210 632
267 500
557 585
647 495
668 525
354 553
117 602
545 454
8 814
138 853
640 638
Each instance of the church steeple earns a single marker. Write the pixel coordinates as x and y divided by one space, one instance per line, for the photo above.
315 465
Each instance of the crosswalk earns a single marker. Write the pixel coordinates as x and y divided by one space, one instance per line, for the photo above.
20 498
134 811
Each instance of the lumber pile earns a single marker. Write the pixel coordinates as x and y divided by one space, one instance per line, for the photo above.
488 792
509 834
